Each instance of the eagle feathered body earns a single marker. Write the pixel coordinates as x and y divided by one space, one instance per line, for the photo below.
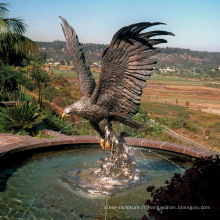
126 65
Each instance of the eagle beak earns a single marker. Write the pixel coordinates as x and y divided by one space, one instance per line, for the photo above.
63 115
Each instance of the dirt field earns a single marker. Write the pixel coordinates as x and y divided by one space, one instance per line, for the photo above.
199 97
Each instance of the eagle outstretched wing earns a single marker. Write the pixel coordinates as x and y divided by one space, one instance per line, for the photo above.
75 49
126 65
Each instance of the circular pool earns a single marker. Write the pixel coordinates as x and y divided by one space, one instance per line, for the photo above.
36 187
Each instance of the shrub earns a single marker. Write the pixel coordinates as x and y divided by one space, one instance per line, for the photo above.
195 194
22 116
161 120
23 132
43 134
216 126
184 114
50 92
55 123
30 85
179 123
10 84
183 123
148 129
60 80
10 79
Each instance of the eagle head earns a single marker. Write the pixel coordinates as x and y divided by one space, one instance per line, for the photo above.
75 109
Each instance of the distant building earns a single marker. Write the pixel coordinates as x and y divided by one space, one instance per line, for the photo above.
56 63
168 69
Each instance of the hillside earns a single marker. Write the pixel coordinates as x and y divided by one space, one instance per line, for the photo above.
56 52
170 60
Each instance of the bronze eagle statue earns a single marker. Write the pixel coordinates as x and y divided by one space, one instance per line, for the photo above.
126 65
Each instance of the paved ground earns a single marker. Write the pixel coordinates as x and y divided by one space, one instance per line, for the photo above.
10 143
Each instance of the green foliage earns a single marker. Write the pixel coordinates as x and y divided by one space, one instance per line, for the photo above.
148 130
183 123
215 85
163 121
60 80
57 124
93 52
23 132
10 79
13 45
38 57
40 76
22 116
30 85
164 109
41 79
216 126
15 96
1 129
11 84
83 127
43 134
214 136
198 187
50 92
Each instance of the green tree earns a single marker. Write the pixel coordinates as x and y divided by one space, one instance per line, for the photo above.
41 78
187 104
11 81
13 45
62 62
177 101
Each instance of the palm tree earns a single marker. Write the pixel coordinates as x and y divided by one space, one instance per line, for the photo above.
13 44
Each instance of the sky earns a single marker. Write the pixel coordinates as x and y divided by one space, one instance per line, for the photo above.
195 23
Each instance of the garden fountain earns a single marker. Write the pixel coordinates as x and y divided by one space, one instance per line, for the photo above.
126 65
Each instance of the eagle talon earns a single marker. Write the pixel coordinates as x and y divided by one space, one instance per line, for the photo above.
108 145
105 144
102 143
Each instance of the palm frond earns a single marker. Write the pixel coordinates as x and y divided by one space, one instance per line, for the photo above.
3 9
15 43
4 27
16 25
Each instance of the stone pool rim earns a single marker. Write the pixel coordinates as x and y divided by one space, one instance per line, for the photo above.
11 143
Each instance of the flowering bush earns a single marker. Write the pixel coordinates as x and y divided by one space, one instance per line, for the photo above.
43 134
194 195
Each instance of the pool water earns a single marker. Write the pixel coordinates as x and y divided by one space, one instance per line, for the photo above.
35 189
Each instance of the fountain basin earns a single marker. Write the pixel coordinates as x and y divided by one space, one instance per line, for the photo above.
12 143
35 182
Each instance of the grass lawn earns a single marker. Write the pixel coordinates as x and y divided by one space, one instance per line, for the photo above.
175 81
72 73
